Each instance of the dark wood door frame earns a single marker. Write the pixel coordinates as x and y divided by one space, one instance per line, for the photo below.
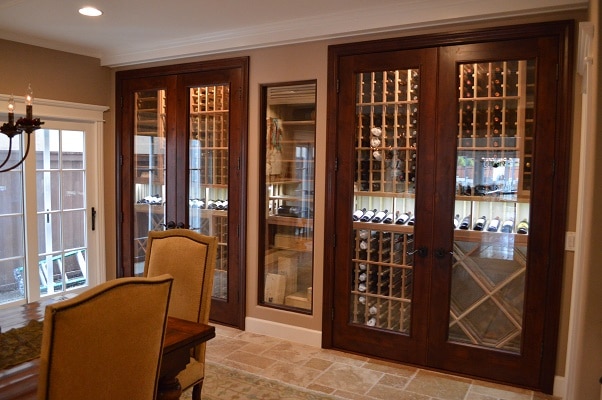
232 311
562 31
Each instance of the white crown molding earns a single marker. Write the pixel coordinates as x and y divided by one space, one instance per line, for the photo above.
376 19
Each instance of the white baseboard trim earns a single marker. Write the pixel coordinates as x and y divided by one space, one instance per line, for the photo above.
282 331
559 387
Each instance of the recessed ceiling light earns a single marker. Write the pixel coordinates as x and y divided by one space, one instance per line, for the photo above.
90 11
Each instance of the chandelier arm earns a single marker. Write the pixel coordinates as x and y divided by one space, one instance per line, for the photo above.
22 159
10 148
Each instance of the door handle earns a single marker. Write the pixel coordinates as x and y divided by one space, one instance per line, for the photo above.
441 253
422 252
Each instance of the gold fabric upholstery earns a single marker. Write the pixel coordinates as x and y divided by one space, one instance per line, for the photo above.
190 258
105 343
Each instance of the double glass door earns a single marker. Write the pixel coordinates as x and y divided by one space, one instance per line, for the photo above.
443 253
181 134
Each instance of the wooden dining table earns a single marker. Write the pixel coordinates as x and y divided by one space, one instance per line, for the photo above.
21 381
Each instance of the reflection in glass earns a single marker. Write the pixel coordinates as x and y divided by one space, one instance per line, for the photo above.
149 170
492 204
209 117
290 134
387 126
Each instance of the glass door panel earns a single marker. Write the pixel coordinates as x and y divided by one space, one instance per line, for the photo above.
387 115
289 153
492 203
12 220
149 170
61 208
208 172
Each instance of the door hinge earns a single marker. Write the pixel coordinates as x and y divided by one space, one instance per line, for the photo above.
338 85
121 160
240 94
336 164
238 163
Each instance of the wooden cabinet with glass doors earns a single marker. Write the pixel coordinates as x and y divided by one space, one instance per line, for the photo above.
182 132
288 212
449 227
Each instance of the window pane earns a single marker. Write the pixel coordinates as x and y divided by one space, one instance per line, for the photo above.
72 150
73 190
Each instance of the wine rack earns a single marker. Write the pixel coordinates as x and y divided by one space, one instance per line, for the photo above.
290 125
209 133
385 181
208 169
149 169
495 133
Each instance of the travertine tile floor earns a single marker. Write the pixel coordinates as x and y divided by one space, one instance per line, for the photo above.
348 376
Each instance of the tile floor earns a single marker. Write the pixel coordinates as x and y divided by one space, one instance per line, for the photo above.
348 376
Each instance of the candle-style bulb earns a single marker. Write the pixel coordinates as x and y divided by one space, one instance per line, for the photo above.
29 102
29 96
11 110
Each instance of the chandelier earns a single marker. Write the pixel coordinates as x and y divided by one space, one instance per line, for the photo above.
27 124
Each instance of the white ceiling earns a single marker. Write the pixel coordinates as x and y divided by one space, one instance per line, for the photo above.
137 31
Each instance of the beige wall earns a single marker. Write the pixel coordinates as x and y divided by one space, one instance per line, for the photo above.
63 76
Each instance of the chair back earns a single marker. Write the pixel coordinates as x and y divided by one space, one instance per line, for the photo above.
189 257
105 343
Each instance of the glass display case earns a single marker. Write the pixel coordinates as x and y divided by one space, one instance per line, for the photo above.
289 124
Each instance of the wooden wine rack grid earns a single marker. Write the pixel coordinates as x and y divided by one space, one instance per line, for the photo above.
495 127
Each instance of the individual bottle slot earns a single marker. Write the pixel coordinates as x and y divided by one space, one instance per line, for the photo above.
403 218
494 225
480 223
523 227
379 216
357 214
456 221
466 222
508 225
368 215
389 218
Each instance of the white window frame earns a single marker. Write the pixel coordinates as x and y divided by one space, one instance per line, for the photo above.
66 116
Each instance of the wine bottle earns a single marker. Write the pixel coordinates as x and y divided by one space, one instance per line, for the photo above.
508 226
379 216
389 218
411 220
465 224
363 245
403 218
456 221
362 277
494 225
364 234
522 227
480 224
371 322
357 215
368 215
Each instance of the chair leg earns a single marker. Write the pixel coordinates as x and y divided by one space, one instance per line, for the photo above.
196 391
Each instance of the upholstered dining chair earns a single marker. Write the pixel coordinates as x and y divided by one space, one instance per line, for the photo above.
190 258
105 343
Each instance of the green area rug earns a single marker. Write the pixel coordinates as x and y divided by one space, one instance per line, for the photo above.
20 344
224 383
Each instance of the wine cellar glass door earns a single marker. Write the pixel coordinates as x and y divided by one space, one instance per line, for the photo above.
450 191
382 282
485 267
